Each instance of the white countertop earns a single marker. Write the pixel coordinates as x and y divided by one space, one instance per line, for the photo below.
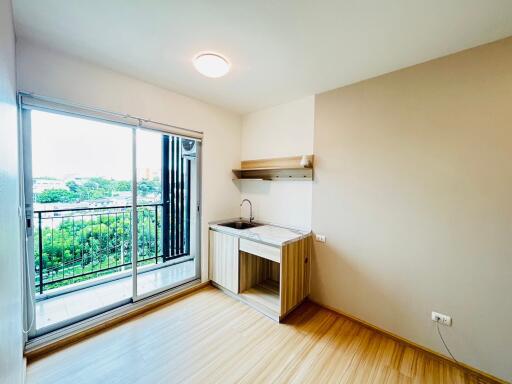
267 233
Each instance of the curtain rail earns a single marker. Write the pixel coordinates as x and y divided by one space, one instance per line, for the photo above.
31 100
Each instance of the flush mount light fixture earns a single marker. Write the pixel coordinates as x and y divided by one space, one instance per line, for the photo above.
211 64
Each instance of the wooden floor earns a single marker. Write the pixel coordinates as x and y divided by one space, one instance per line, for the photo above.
208 337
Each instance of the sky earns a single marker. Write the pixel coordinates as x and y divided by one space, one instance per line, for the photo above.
65 146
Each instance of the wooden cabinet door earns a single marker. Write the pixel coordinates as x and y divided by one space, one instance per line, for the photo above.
224 260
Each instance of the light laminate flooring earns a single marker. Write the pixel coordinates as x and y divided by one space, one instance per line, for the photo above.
208 337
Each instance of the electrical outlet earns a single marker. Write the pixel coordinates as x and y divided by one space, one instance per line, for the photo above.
320 238
442 319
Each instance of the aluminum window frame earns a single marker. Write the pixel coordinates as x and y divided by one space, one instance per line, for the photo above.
30 101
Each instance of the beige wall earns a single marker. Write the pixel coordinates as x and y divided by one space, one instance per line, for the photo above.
50 73
413 190
280 131
11 339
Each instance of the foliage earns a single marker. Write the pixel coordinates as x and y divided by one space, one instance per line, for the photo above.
55 196
145 187
123 185
89 243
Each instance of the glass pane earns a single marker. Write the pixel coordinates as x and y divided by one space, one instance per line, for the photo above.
81 173
165 185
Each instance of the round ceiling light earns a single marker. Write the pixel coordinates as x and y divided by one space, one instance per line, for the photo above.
211 65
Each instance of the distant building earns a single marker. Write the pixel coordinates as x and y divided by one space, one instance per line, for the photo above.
149 173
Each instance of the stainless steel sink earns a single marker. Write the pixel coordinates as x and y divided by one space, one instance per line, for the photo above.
240 224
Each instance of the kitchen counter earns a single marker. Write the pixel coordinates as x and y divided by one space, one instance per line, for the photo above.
266 267
275 235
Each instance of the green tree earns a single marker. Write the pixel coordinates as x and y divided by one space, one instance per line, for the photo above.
122 185
56 196
73 186
145 186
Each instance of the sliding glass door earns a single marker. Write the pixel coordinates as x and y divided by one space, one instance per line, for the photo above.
82 178
166 192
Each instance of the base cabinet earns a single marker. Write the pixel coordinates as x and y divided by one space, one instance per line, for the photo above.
224 260
274 280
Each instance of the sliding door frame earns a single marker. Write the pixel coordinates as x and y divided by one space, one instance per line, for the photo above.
135 215
83 321
195 210
27 201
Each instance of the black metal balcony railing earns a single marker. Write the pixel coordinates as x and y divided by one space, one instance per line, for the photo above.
73 245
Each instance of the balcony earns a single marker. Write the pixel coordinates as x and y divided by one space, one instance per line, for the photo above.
83 258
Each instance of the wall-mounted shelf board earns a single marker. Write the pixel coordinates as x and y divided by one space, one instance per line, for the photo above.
283 168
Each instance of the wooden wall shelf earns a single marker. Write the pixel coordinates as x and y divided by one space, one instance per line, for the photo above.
283 168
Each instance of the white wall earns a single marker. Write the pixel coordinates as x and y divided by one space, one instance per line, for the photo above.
11 340
51 73
413 190
284 130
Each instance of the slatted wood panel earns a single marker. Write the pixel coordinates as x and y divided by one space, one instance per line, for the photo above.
208 337
224 260
295 266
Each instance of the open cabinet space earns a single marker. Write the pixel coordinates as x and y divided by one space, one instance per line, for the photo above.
260 282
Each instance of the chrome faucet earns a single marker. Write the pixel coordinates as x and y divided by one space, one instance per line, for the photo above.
251 217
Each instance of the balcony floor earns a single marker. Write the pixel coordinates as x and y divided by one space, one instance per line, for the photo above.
69 305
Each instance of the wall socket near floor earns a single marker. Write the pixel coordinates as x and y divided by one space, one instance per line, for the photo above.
320 238
442 319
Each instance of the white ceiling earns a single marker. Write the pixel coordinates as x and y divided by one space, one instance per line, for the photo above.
280 50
